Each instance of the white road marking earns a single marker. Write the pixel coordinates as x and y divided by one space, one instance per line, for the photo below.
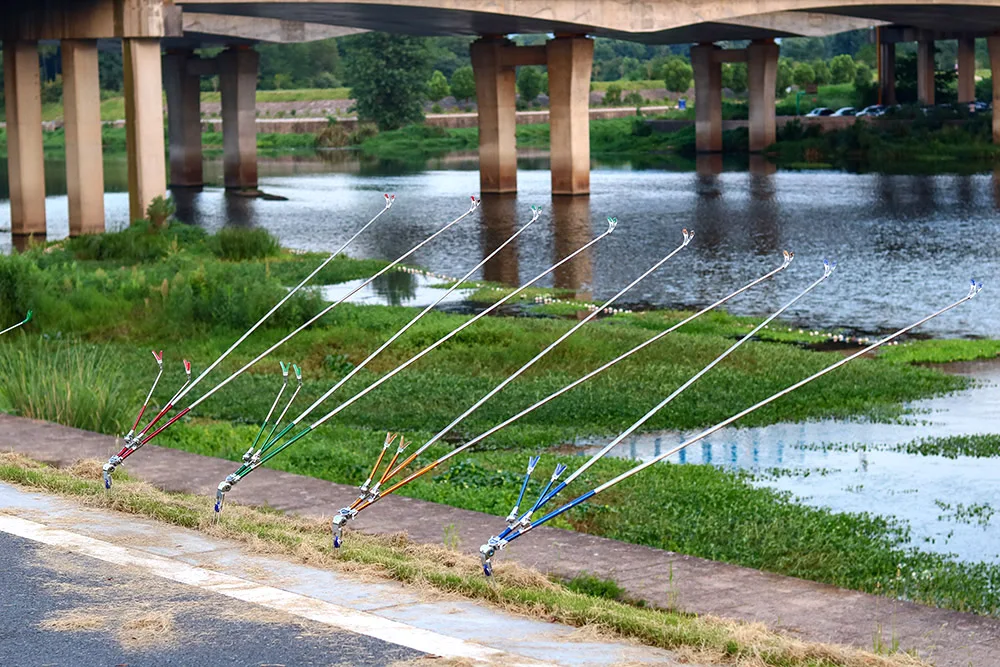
358 622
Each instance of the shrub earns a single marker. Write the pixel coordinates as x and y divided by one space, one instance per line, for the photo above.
160 211
334 135
239 244
19 277
613 95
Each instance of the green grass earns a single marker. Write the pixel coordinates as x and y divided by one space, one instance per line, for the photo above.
982 445
293 95
628 85
389 557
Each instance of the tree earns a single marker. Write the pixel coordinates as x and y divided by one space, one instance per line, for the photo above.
529 83
803 75
388 77
783 77
822 71
842 69
734 77
463 83
677 74
437 87
613 95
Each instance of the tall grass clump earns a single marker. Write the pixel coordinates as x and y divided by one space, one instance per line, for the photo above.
67 382
19 277
141 242
238 244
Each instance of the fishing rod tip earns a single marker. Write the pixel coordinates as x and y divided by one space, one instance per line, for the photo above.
612 223
187 367
27 318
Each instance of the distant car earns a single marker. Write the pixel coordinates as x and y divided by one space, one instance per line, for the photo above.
819 111
873 111
844 111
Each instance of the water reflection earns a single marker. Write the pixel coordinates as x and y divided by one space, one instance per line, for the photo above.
571 229
503 215
905 243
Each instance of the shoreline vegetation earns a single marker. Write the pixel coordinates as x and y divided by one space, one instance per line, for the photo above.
173 287
911 144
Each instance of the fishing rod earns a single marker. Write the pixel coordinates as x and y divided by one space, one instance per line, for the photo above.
488 550
787 259
27 318
255 459
231 480
513 521
347 513
142 438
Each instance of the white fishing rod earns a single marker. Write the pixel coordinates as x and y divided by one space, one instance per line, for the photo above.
514 521
254 458
27 318
787 259
230 481
488 550
142 438
347 513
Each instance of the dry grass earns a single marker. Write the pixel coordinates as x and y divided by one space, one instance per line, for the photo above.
73 621
703 640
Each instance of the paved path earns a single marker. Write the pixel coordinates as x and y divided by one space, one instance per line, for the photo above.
81 586
812 611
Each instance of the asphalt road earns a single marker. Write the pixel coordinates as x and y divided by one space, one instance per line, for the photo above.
59 608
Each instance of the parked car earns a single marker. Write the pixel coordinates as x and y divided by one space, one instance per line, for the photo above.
872 111
819 111
844 111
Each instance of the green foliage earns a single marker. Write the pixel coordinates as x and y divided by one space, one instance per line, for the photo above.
66 381
437 87
529 83
305 65
463 83
160 211
821 71
239 244
783 76
842 69
588 584
803 74
388 77
613 96
19 281
677 74
734 77
139 243
984 89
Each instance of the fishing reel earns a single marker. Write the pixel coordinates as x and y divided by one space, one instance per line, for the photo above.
225 487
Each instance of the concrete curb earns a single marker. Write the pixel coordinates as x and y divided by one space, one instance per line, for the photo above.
809 610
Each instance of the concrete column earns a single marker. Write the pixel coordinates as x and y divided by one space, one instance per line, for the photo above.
496 99
708 98
925 71
967 69
25 157
887 73
183 119
762 74
238 86
82 118
993 44
147 170
570 60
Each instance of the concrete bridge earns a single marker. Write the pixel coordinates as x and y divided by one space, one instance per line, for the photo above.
158 38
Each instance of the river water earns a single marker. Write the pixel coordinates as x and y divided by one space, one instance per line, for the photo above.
904 244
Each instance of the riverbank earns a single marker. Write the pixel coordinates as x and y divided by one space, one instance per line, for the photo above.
101 302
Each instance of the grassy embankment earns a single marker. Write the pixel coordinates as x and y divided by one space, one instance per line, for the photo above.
584 602
122 294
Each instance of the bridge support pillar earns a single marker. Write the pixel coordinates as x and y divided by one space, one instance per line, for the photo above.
82 117
570 60
762 73
708 98
966 69
183 119
496 98
238 85
147 172
887 73
25 156
925 71
993 43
